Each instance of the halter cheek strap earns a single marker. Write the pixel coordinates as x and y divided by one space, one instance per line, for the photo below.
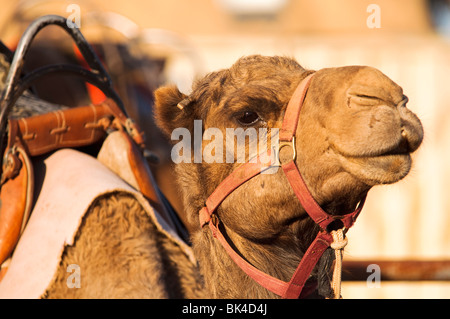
297 287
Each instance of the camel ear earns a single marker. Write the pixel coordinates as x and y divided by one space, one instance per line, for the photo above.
171 109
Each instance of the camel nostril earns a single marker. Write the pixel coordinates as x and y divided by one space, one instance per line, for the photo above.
403 101
403 132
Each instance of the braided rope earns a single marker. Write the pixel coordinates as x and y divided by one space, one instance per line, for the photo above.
338 244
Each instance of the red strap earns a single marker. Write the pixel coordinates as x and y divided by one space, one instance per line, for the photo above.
292 289
313 209
307 264
301 191
292 113
238 177
271 283
249 170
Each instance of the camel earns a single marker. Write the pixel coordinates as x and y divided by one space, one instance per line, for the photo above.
354 132
350 137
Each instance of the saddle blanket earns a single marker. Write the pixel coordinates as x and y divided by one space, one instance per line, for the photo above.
72 182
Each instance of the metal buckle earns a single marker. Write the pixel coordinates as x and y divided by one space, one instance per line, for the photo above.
11 165
283 144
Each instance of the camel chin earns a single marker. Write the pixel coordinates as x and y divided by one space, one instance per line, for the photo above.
375 170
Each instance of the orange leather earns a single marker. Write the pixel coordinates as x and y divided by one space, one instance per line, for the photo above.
131 127
141 171
124 158
145 180
69 128
16 197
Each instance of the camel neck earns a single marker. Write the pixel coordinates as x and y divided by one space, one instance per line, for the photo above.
224 279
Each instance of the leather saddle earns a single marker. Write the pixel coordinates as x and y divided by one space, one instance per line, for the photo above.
106 124
121 151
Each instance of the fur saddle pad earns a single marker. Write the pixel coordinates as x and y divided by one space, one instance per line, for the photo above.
72 182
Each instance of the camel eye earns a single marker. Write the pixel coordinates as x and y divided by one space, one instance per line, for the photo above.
248 118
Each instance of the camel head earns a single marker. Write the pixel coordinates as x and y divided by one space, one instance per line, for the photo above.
354 131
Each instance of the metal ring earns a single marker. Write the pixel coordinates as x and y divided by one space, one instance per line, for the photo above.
288 143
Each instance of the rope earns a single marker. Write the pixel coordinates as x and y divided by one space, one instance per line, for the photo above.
338 244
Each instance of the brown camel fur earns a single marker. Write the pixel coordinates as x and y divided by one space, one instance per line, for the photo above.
353 133
121 254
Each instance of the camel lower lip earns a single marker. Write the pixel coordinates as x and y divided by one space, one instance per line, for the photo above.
382 169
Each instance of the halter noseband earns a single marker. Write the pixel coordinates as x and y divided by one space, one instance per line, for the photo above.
324 239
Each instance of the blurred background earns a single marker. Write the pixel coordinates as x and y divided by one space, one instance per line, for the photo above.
405 227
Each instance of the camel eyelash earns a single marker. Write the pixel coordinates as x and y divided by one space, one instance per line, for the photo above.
363 96
248 118
362 100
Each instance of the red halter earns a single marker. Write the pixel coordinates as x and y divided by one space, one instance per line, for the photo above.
293 288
